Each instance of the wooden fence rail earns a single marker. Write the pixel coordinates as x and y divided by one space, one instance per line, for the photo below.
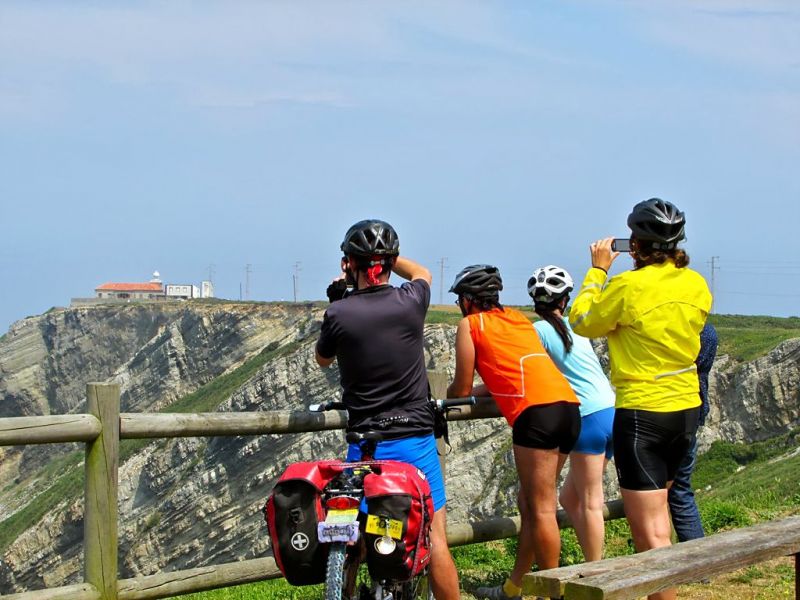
85 428
17 431
103 428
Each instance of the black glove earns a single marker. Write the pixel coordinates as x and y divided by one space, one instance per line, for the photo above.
337 290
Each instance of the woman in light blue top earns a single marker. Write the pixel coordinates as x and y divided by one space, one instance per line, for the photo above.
582 492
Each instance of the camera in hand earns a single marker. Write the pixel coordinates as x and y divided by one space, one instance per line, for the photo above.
621 245
337 290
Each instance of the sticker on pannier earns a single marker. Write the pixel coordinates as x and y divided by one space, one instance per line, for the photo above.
293 512
397 530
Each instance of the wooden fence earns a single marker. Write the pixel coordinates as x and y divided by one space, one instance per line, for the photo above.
103 428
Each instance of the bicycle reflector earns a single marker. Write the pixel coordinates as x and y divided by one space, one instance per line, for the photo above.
342 503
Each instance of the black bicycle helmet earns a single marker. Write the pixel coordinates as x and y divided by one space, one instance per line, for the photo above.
371 237
657 221
478 281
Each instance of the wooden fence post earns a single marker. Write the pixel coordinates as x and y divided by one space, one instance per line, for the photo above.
101 491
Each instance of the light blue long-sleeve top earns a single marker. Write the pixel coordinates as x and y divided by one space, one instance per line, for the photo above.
580 366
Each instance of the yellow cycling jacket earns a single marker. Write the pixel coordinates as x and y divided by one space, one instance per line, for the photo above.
652 317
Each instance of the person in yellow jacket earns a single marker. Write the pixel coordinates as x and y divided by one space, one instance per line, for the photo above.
652 317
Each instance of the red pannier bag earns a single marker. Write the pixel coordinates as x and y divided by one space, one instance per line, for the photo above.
400 508
292 512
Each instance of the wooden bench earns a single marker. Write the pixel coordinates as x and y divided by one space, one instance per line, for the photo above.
640 574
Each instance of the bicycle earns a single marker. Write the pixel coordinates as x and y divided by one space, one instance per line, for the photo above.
345 531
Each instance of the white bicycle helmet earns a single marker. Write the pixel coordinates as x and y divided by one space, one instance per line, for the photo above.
549 284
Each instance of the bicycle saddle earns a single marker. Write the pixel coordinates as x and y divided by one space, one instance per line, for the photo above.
356 437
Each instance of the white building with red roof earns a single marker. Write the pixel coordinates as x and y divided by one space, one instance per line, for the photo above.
149 290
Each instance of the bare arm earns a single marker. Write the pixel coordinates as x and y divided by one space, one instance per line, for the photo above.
481 390
408 269
326 341
465 362
322 361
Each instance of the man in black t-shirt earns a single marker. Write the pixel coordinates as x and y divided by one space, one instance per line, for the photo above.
375 333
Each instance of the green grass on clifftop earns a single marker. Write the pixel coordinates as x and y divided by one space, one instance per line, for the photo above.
747 337
449 314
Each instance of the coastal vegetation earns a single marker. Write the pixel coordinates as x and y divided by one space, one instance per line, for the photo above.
745 484
744 337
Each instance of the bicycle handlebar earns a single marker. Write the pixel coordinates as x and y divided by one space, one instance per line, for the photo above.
440 404
325 406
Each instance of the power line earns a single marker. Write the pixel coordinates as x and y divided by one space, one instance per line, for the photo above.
761 272
766 261
295 279
760 294
247 271
714 268
441 279
762 266
754 264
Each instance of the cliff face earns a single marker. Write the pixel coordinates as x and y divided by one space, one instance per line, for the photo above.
159 351
197 501
755 400
192 502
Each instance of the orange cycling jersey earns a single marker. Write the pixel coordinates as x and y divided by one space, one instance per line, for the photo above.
513 364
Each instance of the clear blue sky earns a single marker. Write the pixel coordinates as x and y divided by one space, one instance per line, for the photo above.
178 135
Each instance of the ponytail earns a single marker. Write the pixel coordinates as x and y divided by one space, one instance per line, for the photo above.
547 312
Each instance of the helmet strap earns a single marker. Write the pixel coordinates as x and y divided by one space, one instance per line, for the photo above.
462 305
664 246
350 279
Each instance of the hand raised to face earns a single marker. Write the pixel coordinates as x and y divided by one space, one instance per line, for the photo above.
602 254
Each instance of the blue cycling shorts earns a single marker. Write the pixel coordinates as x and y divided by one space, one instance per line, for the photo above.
596 433
419 451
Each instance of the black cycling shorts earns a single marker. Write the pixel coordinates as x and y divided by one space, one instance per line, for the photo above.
650 446
548 426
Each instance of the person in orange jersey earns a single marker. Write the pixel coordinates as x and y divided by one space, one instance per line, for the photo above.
501 344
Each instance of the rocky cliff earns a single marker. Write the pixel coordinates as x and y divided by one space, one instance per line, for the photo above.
197 501
755 400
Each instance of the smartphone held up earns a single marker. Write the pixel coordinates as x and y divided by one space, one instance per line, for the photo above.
621 245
